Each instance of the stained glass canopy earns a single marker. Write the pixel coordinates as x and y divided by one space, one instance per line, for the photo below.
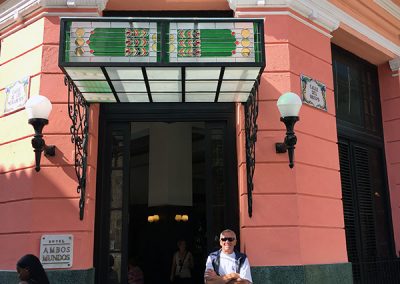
162 60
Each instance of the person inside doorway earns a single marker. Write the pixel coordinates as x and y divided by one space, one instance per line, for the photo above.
31 271
182 264
227 265
135 273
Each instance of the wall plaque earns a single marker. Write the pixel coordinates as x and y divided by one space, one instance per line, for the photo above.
56 251
313 92
16 95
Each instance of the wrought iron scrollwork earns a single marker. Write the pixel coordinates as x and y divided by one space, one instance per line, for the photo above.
78 113
251 114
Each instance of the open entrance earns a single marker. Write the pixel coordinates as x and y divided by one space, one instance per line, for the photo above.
163 178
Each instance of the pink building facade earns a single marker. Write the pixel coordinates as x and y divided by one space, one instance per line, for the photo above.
333 218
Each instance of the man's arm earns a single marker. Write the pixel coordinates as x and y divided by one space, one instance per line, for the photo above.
212 278
239 281
245 273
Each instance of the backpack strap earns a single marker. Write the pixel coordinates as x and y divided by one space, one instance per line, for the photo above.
239 258
215 260
183 261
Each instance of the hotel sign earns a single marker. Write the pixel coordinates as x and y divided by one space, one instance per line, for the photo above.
56 251
313 92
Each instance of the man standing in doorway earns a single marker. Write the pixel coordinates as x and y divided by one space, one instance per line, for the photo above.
227 265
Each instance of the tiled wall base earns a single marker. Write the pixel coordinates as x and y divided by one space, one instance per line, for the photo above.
338 273
55 276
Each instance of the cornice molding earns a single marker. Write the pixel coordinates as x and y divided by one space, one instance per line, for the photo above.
323 13
99 4
390 7
305 8
286 13
395 64
14 11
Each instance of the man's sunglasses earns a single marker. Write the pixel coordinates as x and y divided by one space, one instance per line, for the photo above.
227 239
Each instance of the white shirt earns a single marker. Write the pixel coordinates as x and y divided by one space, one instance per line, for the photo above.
227 264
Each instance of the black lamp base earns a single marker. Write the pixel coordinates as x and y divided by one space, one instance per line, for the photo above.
290 139
38 142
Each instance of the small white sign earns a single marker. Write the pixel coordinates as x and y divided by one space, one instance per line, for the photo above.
56 251
313 92
16 95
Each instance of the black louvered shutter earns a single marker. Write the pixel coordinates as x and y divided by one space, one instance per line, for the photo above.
365 203
349 201
358 208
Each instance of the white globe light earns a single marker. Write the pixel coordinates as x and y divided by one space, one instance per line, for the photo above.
289 104
38 107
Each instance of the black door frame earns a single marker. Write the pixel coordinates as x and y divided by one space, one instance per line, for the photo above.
117 117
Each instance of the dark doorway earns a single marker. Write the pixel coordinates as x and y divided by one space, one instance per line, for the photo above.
366 203
166 174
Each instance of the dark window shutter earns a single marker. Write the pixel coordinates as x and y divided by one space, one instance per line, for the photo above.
358 203
349 201
365 203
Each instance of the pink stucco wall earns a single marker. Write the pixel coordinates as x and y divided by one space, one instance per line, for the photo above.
32 203
390 101
297 214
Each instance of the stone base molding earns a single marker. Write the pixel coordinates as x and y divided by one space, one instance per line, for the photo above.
336 273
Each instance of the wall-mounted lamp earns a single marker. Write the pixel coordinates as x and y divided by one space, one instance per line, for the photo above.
38 109
289 105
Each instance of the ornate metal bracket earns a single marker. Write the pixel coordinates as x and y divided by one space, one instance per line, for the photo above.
251 114
79 115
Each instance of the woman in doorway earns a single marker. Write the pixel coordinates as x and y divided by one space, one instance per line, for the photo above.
135 273
182 264
30 270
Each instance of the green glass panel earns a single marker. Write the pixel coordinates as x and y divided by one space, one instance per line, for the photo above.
119 42
93 86
164 41
159 47
99 97
256 42
67 40
107 42
206 43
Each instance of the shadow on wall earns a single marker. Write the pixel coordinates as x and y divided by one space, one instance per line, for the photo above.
41 203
